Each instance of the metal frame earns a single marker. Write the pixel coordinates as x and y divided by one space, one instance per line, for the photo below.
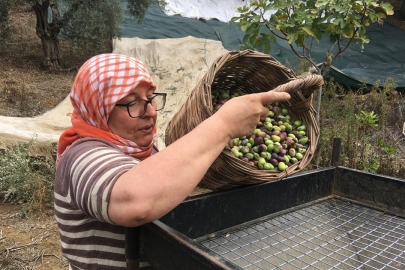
174 241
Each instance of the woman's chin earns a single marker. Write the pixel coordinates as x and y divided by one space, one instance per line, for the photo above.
145 141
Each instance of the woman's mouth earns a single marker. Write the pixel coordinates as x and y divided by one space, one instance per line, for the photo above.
147 129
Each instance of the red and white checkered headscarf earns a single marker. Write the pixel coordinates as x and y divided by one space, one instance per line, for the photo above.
100 83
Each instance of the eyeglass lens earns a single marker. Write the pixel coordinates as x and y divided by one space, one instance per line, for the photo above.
139 107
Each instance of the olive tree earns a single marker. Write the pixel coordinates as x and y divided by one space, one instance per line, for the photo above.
303 22
84 23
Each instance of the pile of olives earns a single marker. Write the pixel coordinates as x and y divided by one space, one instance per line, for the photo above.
277 142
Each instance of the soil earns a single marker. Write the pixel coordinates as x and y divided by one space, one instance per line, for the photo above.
26 90
29 243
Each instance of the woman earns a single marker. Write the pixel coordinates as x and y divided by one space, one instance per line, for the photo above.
98 189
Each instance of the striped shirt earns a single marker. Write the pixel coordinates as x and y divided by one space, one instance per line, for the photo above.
83 184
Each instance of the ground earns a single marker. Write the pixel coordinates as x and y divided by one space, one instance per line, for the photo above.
29 243
27 90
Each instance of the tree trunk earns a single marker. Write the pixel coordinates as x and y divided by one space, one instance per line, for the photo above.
48 33
402 11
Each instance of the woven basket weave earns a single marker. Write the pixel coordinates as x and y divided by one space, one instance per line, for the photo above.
251 72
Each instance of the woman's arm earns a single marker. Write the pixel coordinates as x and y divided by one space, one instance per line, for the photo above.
158 184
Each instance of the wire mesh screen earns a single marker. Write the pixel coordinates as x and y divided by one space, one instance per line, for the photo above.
332 234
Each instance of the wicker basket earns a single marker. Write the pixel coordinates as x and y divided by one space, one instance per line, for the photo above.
252 72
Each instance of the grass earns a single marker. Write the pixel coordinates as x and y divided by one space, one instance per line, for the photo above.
27 174
369 124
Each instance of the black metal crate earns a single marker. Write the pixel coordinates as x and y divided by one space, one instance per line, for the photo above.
332 218
331 234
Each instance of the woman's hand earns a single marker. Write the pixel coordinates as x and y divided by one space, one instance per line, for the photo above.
240 115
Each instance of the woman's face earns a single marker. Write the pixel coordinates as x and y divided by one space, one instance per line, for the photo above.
138 130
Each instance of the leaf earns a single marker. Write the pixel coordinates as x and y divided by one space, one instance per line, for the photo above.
251 28
272 37
245 38
320 3
387 8
267 47
356 23
253 39
233 19
337 21
244 27
289 24
307 29
381 15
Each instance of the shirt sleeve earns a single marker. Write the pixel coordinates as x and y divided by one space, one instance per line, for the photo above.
93 167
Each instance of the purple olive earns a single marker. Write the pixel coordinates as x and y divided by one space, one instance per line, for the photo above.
276 111
285 146
280 159
289 142
282 152
266 131
274 162
259 140
283 136
274 155
223 100
262 147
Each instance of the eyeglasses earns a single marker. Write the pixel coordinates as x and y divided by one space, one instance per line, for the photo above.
138 107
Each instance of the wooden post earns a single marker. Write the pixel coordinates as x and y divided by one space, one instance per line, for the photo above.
132 247
336 152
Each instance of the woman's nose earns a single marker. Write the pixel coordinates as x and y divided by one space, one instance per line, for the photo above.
150 111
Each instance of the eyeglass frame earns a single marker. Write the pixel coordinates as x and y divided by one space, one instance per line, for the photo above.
148 101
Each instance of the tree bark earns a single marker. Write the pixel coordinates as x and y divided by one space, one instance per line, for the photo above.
48 33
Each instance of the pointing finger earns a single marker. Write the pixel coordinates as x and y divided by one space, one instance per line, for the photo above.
268 97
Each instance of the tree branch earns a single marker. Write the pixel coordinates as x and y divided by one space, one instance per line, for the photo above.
267 25
340 51
304 57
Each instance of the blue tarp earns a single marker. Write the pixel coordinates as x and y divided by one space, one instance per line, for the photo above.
382 58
